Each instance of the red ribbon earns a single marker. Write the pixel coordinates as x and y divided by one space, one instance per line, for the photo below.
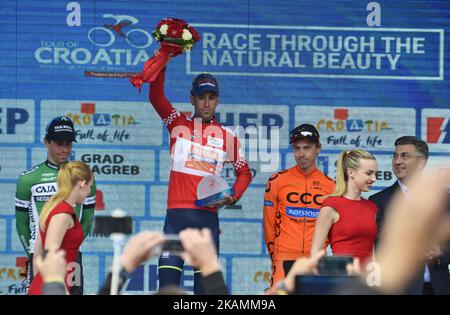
154 65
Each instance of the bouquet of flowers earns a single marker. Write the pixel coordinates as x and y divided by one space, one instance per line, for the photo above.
175 37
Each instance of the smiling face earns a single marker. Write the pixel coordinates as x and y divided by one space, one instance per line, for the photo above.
365 175
205 105
406 161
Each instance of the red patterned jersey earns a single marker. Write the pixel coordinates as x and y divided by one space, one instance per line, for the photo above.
197 149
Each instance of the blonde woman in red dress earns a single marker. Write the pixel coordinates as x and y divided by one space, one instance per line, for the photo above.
347 219
59 227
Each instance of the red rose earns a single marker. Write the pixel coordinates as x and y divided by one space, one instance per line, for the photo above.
175 29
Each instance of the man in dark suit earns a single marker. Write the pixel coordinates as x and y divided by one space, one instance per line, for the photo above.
409 159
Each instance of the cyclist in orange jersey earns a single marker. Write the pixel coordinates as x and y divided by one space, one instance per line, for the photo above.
292 202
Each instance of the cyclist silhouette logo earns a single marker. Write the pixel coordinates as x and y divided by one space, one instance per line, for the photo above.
105 35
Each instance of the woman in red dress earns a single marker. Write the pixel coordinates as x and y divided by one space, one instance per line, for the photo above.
59 226
347 219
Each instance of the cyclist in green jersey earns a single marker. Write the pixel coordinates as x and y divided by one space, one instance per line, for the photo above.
36 185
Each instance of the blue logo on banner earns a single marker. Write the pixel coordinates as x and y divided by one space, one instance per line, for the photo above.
354 125
268 203
102 119
302 212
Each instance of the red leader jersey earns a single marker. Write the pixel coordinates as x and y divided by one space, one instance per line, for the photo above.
197 149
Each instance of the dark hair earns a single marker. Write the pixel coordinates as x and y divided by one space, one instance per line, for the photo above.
420 145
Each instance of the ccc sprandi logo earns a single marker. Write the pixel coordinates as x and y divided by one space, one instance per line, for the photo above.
123 27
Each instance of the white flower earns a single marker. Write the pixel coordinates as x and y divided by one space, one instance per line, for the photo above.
186 35
163 29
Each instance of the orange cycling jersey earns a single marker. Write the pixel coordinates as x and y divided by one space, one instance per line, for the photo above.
291 205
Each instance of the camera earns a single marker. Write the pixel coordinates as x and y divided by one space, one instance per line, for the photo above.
172 245
107 225
334 265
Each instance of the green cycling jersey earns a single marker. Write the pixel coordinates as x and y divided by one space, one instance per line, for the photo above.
34 187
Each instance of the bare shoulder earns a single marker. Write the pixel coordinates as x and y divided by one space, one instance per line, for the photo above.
63 219
329 213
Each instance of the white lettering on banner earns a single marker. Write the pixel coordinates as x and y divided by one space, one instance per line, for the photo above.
368 128
319 52
83 56
340 56
123 30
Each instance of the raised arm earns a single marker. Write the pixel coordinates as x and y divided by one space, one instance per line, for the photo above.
159 101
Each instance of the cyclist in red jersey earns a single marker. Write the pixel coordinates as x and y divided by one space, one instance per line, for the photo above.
199 146
347 219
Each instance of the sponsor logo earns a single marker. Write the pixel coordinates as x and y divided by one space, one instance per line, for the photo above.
88 117
43 190
268 203
215 142
30 170
359 127
118 43
22 203
342 123
46 189
305 198
302 212
438 130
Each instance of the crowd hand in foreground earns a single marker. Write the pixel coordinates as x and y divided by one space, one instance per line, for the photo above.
199 250
140 248
53 267
412 226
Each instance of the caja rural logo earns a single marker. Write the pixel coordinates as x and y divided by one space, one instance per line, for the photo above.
438 130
